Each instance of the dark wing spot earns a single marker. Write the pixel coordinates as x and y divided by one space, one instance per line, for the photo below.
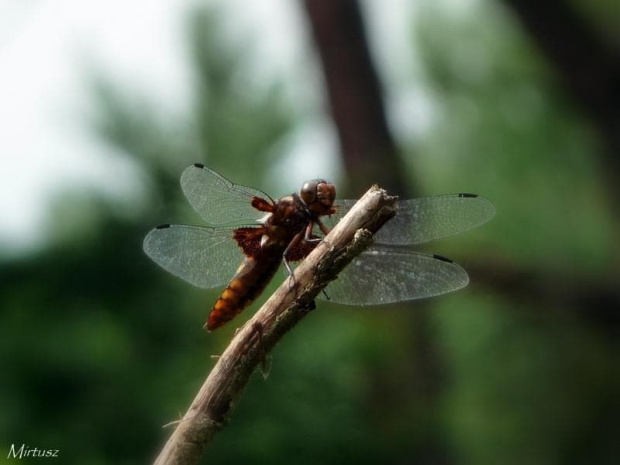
199 165
442 258
163 226
465 195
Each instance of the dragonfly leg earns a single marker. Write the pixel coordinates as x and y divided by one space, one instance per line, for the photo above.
291 245
308 234
324 229
288 267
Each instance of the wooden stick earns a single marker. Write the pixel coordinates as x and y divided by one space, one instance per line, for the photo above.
225 384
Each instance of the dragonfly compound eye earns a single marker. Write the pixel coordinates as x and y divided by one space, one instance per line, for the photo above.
308 192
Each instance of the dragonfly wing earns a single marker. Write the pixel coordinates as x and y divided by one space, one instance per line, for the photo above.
383 276
428 218
205 257
219 201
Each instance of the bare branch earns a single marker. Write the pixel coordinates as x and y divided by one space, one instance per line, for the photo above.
224 386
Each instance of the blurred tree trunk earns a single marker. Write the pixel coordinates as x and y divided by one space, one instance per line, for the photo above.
370 156
355 97
590 69
587 64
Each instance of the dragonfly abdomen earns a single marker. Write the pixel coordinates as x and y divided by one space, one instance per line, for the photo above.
248 283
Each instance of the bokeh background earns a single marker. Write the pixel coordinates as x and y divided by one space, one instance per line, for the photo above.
516 100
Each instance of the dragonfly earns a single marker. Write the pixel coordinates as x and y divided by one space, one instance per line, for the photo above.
248 235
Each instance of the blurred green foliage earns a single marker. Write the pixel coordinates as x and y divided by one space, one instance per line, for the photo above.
503 114
100 347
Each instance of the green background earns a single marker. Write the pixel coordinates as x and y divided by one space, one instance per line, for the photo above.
100 347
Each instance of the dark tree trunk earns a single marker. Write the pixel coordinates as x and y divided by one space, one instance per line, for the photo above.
587 64
355 98
370 156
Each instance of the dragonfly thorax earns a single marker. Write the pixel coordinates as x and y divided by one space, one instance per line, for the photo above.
289 217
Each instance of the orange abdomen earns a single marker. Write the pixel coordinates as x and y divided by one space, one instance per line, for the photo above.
248 283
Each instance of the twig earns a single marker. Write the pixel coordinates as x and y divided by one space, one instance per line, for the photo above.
224 386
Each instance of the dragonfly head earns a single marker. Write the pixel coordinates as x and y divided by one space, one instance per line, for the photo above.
319 196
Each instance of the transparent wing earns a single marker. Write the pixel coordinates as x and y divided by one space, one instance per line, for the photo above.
217 200
205 257
383 276
428 218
